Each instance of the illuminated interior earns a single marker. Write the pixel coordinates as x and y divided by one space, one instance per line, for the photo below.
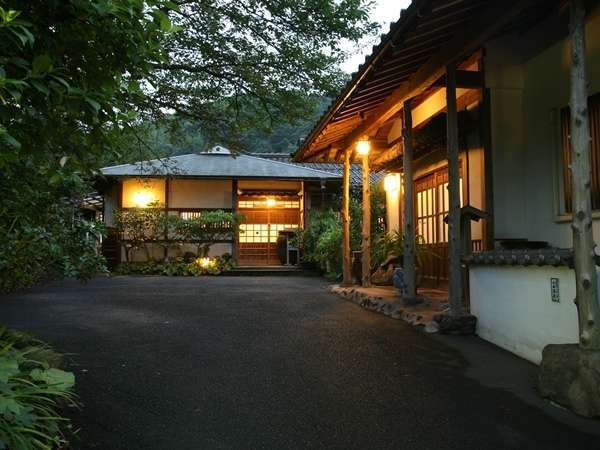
140 193
269 203
262 232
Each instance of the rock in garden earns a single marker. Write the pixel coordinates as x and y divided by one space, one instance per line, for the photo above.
432 327
570 376
459 325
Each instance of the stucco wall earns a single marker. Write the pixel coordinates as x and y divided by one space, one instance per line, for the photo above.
200 193
529 84
515 311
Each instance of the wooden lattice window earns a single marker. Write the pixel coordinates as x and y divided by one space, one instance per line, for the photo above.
432 203
565 122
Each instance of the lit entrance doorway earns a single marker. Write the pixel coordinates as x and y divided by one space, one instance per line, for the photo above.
265 216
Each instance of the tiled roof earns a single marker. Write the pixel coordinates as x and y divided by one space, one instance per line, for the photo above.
220 163
334 168
523 257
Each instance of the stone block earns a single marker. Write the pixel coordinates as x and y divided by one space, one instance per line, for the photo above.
459 325
570 377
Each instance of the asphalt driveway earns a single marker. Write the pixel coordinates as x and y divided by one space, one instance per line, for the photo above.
274 363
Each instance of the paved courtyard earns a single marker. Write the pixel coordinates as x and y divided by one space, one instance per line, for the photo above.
278 363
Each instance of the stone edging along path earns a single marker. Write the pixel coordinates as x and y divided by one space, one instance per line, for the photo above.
385 301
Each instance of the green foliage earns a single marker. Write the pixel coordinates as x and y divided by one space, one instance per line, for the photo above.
82 82
178 267
210 227
33 390
53 242
139 228
69 75
321 241
143 227
386 244
238 66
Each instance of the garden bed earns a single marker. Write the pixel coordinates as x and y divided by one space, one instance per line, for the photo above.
178 267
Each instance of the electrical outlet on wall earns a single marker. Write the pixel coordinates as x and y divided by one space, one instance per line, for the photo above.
554 290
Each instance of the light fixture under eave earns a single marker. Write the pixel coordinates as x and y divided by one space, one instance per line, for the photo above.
142 199
270 202
391 182
362 147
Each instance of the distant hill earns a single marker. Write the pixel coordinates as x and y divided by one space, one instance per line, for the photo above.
184 136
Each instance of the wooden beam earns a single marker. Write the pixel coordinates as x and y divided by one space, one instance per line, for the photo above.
586 287
366 225
455 269
465 79
346 251
409 260
467 40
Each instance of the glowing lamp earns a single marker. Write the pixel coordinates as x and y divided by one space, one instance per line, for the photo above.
271 202
362 147
142 198
391 182
205 262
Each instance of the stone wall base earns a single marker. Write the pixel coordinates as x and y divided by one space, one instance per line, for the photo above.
463 325
570 377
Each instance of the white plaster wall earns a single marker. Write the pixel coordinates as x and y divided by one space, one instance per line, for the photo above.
528 87
186 193
392 209
514 309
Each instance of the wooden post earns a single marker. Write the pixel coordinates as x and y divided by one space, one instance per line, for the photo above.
366 225
455 290
236 238
586 289
409 259
347 257
486 135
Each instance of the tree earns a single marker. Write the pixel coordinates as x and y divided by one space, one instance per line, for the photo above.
207 229
243 65
82 81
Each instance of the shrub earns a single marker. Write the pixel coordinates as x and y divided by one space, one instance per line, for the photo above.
33 390
209 227
178 267
142 227
56 244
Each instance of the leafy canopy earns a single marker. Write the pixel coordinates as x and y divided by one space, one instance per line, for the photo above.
80 80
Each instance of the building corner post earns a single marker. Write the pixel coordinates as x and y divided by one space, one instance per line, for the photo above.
346 252
366 225
455 269
586 289
409 260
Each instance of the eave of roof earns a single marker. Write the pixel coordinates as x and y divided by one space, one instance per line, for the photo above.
223 167
406 17
408 62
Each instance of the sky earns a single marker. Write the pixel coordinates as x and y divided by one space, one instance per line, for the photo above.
384 12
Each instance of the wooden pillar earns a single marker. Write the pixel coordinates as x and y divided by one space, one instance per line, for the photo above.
486 137
455 270
366 225
586 289
346 252
409 260
236 237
